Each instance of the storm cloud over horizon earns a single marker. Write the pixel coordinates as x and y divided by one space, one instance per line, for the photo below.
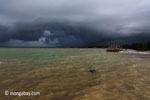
73 23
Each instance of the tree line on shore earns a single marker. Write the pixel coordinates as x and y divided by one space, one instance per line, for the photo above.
138 46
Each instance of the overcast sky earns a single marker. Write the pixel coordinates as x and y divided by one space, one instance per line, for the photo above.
72 23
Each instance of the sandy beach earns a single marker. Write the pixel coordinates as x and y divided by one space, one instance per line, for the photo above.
130 51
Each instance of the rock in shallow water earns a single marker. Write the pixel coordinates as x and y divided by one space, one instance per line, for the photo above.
92 71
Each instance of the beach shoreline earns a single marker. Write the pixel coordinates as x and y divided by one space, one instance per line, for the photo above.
131 51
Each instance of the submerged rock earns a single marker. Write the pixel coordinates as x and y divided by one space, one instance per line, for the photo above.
92 71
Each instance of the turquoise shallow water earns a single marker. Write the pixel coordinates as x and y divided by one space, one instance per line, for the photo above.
62 74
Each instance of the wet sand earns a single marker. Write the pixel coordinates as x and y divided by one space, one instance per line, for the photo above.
62 74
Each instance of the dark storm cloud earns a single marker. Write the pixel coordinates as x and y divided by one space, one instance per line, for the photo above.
52 34
71 23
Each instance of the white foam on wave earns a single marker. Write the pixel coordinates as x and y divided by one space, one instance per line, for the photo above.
134 52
